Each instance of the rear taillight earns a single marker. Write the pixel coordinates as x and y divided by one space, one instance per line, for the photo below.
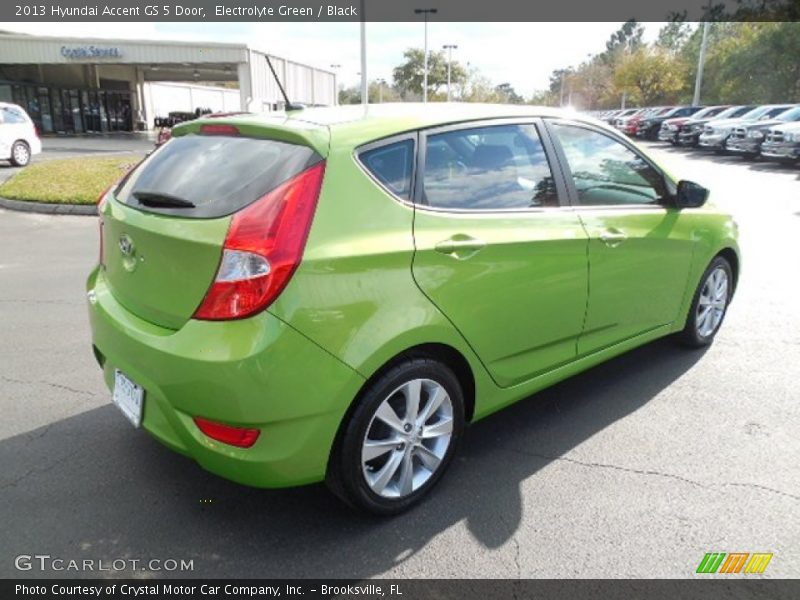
101 203
263 248
227 434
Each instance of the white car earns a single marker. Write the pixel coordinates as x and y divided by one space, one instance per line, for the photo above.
19 139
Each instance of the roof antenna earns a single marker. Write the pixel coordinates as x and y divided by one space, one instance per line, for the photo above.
287 104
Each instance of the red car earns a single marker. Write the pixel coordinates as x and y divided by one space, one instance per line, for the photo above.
631 125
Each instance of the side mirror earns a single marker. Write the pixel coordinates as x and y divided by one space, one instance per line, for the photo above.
690 194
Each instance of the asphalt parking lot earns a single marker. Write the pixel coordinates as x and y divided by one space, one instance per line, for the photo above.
636 468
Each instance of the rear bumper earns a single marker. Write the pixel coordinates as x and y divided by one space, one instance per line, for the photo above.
256 372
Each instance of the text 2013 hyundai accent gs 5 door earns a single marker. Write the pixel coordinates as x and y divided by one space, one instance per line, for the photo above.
335 293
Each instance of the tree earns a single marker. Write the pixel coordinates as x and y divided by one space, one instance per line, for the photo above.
673 36
627 38
476 87
651 76
506 94
409 75
350 95
755 62
377 91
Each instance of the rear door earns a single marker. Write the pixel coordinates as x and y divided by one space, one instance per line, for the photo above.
166 222
640 247
494 249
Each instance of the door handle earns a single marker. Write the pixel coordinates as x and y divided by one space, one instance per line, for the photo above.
612 237
460 246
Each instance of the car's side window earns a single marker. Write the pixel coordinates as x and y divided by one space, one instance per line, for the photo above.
392 165
9 115
488 168
607 172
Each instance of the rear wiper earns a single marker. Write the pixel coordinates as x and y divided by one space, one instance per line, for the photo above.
161 200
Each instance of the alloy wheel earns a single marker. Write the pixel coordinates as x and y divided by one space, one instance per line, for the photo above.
407 438
712 302
21 154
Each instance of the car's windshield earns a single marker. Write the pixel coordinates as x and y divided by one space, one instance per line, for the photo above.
756 113
673 111
793 114
773 112
707 112
733 111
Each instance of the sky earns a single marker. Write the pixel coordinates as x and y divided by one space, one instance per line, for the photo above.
522 54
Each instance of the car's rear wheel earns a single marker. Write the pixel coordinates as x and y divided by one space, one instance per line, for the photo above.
20 154
709 305
400 438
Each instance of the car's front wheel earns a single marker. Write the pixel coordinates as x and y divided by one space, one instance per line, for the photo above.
20 154
710 304
400 438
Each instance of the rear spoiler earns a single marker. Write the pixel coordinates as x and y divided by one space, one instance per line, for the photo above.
281 128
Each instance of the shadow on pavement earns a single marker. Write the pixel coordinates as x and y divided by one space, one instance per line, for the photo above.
92 487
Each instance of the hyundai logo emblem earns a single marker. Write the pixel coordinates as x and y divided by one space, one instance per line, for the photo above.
125 245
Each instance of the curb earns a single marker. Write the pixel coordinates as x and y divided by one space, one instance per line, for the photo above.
49 208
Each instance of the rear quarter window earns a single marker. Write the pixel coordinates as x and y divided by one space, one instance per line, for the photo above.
392 165
214 175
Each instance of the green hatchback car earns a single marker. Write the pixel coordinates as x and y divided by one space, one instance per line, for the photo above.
334 293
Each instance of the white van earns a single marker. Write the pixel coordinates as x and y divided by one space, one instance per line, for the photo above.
19 139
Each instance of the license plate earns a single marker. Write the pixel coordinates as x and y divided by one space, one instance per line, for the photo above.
128 397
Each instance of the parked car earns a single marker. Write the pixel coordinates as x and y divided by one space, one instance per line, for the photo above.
746 139
627 115
631 125
622 114
690 131
308 301
715 134
613 114
648 128
19 139
782 143
668 132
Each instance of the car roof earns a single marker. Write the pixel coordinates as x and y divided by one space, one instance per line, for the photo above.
358 124
426 114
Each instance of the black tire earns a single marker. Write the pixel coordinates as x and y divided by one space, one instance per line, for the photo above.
346 477
691 336
20 162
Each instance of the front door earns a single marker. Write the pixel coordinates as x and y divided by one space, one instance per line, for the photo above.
640 249
494 250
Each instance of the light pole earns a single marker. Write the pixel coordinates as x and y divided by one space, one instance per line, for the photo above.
381 83
449 48
426 12
698 83
364 86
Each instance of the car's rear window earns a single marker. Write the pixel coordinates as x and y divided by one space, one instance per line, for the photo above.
208 176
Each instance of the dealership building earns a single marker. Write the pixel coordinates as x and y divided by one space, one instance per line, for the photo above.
83 85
